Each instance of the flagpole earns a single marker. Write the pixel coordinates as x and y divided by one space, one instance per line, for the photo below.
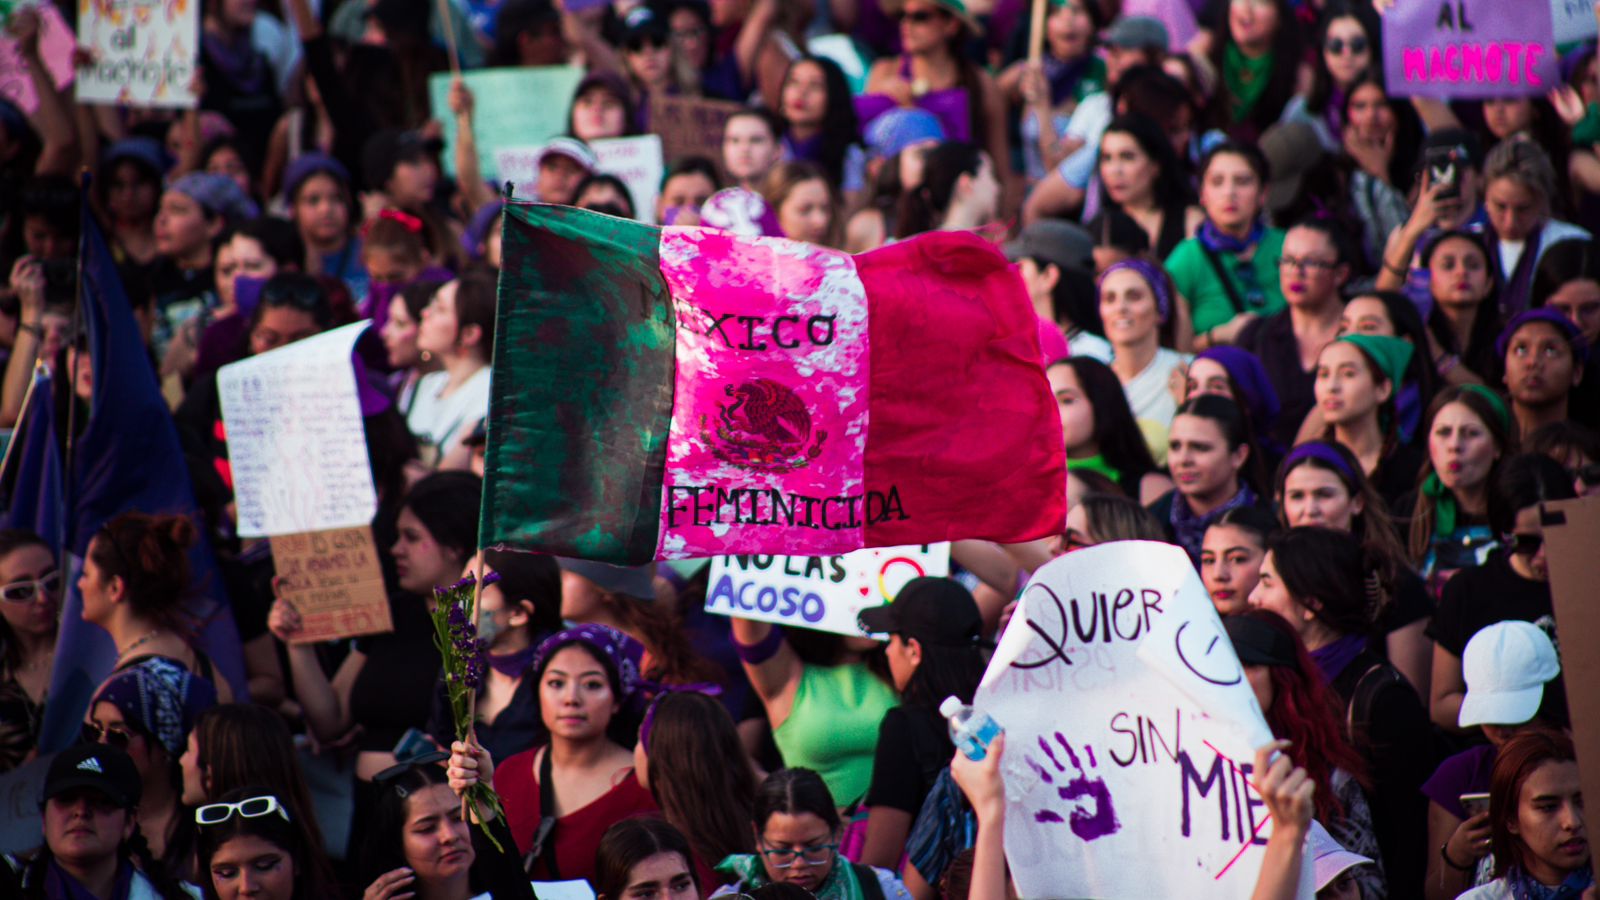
22 416
68 498
472 693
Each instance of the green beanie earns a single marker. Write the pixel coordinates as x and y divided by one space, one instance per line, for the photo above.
1390 354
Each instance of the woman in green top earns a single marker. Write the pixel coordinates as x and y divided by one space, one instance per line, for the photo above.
1260 58
825 695
1228 273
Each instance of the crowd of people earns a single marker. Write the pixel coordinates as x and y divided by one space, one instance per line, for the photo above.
1332 342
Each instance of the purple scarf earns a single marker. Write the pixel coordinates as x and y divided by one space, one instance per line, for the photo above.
60 885
1215 240
1190 529
1517 294
1524 887
1333 659
514 664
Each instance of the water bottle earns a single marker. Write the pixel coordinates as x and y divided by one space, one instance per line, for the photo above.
971 731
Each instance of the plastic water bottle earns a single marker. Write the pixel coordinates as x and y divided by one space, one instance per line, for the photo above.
971 731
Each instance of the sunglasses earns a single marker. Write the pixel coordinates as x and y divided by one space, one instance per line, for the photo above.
25 590
251 808
113 735
918 16
1523 544
642 44
1336 46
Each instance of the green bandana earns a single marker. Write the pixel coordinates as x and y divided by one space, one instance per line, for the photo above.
1495 401
1095 463
1390 354
1246 78
841 883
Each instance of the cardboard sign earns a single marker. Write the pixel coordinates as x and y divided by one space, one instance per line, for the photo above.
823 593
145 52
1573 20
333 580
295 438
1570 527
691 126
21 827
55 49
1130 733
635 160
513 107
1469 49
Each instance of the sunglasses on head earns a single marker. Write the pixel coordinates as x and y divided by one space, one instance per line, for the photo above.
25 590
1523 544
405 765
1336 46
118 736
250 808
918 16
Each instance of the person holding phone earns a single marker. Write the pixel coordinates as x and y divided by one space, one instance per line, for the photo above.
1448 198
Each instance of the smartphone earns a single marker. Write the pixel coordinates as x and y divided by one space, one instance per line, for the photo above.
1443 169
1475 803
414 743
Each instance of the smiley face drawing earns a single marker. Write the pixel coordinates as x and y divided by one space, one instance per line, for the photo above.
1205 651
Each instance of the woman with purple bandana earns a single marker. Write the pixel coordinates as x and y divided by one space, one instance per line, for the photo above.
1136 309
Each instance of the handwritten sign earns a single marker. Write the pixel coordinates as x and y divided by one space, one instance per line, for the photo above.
145 52
1470 49
512 107
333 580
634 160
690 126
20 790
55 49
1574 21
823 593
1143 788
295 439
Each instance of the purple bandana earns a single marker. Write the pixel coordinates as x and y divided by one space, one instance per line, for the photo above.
622 653
1152 275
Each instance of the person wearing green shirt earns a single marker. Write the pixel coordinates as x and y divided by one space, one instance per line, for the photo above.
1228 273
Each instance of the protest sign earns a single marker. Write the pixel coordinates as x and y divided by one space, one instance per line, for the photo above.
634 160
333 581
1130 730
823 593
1469 49
1570 527
690 126
512 107
20 790
55 49
145 52
295 439
1573 20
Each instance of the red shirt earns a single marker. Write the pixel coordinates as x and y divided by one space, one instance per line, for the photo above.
577 834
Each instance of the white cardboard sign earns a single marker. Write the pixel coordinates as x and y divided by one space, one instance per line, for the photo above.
823 593
145 52
635 160
1131 729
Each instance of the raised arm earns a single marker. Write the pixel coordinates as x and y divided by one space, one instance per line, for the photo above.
53 118
326 703
468 176
772 666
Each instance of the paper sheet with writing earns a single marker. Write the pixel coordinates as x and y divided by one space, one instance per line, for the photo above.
333 580
823 593
295 440
1131 729
635 160
145 52
516 106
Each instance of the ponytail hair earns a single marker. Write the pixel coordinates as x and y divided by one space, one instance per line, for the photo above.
151 556
922 208
1332 574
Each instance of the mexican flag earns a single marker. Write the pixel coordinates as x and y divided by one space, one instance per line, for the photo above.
670 393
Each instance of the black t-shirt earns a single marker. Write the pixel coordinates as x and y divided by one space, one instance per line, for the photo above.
1396 475
1408 604
1272 341
913 746
1480 596
393 691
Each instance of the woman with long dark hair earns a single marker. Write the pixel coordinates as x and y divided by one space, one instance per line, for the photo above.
1470 433
1068 71
1390 314
30 612
250 845
1346 46
1142 176
1215 461
645 858
1099 428
1377 133
1466 312
1357 379
1300 708
933 627
1257 54
1230 556
959 190
819 121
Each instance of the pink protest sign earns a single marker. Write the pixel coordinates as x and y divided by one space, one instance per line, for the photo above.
55 48
1469 49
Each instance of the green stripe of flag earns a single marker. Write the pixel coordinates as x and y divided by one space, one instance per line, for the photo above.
581 403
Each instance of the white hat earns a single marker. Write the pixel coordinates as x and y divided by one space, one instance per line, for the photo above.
1328 859
1506 666
572 149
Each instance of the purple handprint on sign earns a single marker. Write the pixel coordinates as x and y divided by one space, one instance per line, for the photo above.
1090 821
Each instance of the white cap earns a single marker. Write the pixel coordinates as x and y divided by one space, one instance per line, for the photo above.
951 705
1506 666
1328 859
572 149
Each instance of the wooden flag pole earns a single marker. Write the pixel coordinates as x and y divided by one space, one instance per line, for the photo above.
1036 33
472 695
449 26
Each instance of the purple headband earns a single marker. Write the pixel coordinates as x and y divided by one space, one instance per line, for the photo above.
1580 347
1323 452
1152 275
699 687
622 653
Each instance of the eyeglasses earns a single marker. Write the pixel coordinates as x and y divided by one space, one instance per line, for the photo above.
25 590
406 765
251 808
1310 265
918 16
116 736
1523 544
787 858
1336 46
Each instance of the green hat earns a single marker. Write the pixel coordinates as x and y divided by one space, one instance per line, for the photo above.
1390 354
955 8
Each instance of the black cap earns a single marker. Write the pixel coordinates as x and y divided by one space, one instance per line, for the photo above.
932 610
1259 644
99 767
1056 241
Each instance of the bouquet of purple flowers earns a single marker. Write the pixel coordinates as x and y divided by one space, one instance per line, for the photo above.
465 662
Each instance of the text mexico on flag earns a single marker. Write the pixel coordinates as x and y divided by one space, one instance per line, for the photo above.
669 393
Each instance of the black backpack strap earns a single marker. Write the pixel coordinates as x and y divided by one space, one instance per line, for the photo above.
1373 681
1222 275
544 840
871 889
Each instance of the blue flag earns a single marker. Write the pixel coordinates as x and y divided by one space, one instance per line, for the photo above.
126 459
32 473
